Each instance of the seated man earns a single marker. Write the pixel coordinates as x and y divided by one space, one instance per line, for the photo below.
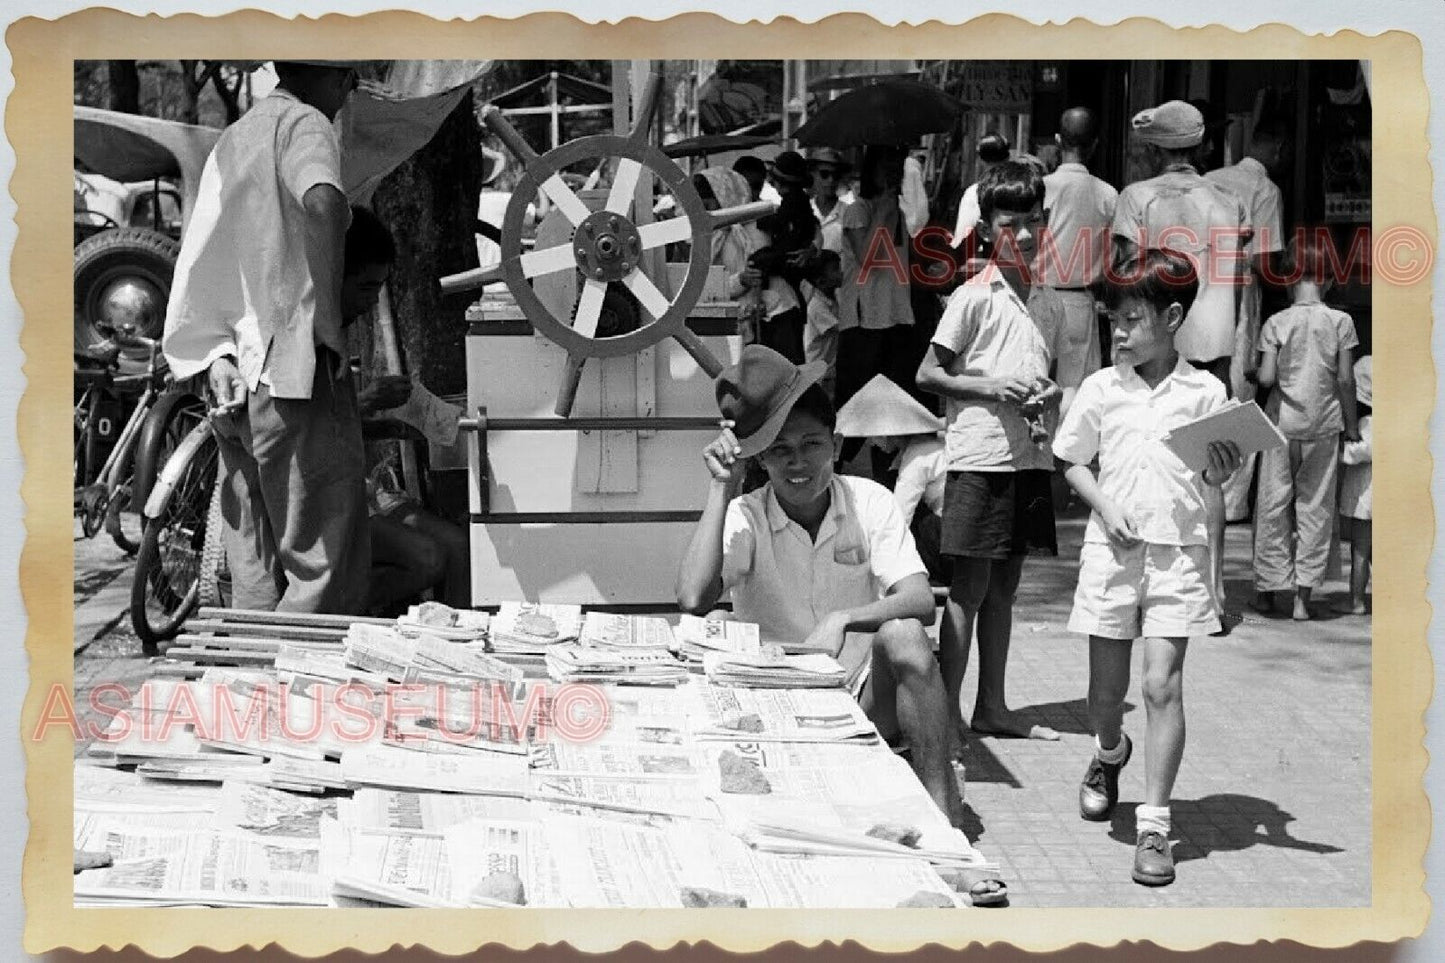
819 559
412 550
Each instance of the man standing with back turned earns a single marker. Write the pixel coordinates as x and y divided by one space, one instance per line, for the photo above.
256 305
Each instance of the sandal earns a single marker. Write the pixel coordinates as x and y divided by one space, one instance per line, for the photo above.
989 892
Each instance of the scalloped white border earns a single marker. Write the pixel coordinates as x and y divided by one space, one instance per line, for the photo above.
1420 17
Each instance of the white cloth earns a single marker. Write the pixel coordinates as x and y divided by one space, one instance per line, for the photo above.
1143 591
913 196
1306 340
1356 475
1119 418
243 284
987 331
968 215
1075 245
786 582
1249 181
922 476
881 300
820 333
1183 211
830 225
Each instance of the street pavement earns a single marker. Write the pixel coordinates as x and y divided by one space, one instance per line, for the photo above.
1272 803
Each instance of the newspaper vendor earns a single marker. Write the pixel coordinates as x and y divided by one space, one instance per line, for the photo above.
819 559
256 307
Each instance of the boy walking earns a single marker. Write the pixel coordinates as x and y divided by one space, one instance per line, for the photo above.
990 362
1306 356
1144 568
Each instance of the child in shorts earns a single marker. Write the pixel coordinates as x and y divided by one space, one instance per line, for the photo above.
1356 500
1144 568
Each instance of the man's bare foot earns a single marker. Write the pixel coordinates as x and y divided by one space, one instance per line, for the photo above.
1301 611
1009 726
957 740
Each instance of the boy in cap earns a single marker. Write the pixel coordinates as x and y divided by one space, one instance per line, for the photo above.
989 360
255 306
1144 566
817 559
1183 211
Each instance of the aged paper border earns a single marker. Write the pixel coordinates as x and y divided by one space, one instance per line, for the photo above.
38 124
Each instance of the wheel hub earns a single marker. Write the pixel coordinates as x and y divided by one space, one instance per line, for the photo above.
132 304
607 246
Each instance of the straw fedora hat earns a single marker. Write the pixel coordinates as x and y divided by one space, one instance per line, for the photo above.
757 393
881 408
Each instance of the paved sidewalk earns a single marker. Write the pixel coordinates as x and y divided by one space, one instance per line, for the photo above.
1272 805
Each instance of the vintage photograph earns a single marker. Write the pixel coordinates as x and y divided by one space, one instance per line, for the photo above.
722 483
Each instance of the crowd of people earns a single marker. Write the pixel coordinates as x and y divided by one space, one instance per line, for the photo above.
1177 264
844 338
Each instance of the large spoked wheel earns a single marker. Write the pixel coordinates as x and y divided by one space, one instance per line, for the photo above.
168 568
606 245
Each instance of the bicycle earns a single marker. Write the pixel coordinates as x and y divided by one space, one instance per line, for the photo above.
181 562
162 415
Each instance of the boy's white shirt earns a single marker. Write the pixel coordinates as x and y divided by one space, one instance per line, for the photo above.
990 332
1119 418
786 582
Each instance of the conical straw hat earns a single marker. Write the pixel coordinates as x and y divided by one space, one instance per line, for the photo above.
882 408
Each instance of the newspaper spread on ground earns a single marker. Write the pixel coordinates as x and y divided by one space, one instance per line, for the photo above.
396 869
478 773
210 868
851 882
271 812
397 811
667 797
100 788
501 867
617 760
781 715
604 863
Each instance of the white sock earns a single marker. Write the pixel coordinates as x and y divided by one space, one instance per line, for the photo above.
1152 819
1112 756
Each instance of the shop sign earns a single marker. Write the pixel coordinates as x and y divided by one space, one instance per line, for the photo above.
1006 87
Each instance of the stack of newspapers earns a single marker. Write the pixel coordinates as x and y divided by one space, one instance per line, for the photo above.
443 621
422 657
639 666
697 637
772 669
626 633
533 628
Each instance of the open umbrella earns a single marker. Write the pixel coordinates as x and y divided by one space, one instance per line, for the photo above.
893 112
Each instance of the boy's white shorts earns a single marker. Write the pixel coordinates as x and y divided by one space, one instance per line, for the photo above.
1144 590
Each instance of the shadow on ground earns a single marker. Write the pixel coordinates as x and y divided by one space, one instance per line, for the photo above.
1224 822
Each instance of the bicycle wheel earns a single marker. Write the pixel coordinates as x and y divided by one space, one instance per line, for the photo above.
166 588
215 575
122 518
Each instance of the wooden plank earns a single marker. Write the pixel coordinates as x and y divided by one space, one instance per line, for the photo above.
299 633
288 618
223 656
256 643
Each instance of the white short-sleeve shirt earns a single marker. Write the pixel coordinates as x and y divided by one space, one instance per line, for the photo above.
1119 418
786 582
1306 339
243 282
991 333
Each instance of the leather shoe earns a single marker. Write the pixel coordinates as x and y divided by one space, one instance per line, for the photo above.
1153 862
1099 792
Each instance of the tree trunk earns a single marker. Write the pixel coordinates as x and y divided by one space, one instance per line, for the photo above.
430 204
191 91
124 86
